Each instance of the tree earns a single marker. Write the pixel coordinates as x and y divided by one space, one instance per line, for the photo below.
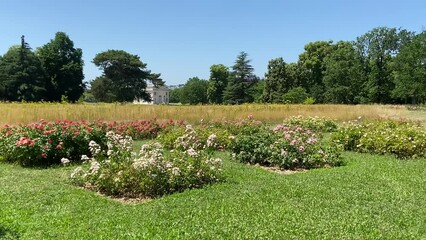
64 67
127 75
175 95
311 64
218 81
377 49
410 71
277 82
256 91
21 75
296 96
194 91
102 89
239 81
343 76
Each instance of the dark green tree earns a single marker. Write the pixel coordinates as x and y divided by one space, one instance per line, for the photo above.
343 75
377 49
256 91
410 71
21 75
194 91
127 74
175 95
218 81
63 64
311 64
277 81
239 81
102 89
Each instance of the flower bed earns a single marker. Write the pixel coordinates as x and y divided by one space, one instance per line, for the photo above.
46 143
152 172
403 139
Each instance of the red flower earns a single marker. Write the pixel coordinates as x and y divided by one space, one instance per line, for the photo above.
43 155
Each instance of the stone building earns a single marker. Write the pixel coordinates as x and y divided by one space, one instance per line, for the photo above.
159 95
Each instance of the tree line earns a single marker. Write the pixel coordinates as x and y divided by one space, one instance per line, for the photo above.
54 72
385 65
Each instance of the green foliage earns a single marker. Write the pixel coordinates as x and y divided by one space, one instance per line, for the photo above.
239 82
399 138
64 67
410 71
194 91
22 77
217 83
312 67
295 96
316 124
277 81
150 173
44 144
206 136
127 75
343 74
102 89
285 147
377 48
175 95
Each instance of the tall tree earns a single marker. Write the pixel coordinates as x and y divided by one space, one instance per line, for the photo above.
64 66
217 83
311 64
410 71
377 48
343 75
127 75
194 91
21 75
240 80
102 89
277 81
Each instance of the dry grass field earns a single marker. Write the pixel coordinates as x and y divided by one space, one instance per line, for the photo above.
14 113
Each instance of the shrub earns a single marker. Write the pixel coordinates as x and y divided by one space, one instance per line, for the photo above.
286 147
314 123
150 173
400 138
205 136
44 143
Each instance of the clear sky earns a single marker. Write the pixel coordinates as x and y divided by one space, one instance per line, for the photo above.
183 38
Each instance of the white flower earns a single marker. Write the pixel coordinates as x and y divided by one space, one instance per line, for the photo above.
76 172
176 171
84 158
65 161
191 152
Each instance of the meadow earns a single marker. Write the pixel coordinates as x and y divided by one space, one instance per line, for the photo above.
369 197
15 113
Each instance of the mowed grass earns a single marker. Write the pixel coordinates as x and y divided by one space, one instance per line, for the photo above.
372 197
15 113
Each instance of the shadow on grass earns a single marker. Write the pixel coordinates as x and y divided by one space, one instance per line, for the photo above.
6 233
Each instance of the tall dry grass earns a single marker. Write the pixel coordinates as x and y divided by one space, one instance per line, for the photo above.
14 113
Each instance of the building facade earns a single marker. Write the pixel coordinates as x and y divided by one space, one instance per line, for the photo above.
159 95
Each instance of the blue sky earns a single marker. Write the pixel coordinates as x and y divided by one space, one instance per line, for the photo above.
183 38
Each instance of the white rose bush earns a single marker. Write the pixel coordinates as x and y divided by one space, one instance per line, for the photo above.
151 172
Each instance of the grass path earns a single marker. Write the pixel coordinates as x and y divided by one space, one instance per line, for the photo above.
372 197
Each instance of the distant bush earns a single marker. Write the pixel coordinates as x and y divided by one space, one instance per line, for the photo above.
312 123
400 138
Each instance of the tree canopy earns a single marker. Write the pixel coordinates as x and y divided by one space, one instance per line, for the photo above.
64 67
127 75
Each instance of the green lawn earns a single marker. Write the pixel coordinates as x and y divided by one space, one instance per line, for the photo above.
372 197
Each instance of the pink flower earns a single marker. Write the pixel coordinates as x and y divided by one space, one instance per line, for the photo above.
43 155
293 142
301 148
